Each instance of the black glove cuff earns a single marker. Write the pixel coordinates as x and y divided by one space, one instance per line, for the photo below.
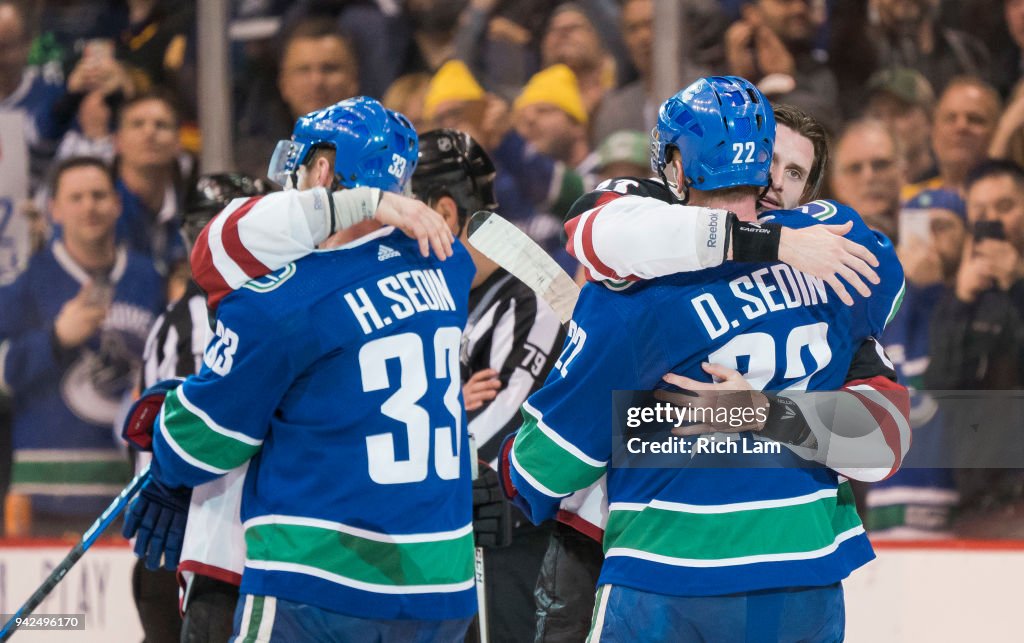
755 243
786 423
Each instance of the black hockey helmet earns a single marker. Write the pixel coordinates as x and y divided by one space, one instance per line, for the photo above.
212 193
452 164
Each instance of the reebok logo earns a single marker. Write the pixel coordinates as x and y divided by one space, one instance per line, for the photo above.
713 235
384 253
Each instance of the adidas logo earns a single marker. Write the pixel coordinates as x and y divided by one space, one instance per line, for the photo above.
384 253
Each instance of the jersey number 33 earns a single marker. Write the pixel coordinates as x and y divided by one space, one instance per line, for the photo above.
404 405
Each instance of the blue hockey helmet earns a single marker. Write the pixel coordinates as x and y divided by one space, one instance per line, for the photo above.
373 146
724 129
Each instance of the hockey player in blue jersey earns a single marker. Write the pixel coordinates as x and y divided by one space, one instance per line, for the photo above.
337 379
707 553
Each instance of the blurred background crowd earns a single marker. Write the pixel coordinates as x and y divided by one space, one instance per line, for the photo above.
921 97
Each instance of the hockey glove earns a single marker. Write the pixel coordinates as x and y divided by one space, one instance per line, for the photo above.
157 519
142 416
492 520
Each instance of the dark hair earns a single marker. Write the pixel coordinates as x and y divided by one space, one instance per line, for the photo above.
993 168
156 94
75 162
807 126
315 27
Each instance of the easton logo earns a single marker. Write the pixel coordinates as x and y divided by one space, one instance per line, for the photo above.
384 253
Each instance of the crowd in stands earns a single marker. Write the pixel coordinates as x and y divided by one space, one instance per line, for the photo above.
100 138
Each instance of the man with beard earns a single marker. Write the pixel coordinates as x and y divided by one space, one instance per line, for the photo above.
772 44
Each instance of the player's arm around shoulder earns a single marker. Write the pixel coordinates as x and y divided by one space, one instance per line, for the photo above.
830 241
564 443
217 419
632 229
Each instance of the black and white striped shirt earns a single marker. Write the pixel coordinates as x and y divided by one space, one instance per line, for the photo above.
517 334
177 340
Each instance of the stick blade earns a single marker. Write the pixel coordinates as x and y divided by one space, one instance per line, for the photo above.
509 247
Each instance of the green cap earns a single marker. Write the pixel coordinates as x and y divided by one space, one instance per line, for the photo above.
624 146
904 83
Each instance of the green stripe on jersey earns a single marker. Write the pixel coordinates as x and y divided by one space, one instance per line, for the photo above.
438 562
770 531
897 302
202 440
540 455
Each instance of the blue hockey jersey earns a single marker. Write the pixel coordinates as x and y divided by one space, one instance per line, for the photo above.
715 524
66 401
338 376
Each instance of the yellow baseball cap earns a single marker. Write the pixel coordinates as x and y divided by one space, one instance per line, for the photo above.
556 85
453 81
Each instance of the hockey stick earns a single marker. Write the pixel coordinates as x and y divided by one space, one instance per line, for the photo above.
480 576
509 247
108 516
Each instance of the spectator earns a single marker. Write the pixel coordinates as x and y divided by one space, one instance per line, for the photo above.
868 174
633 106
499 40
551 115
534 189
149 179
903 99
25 91
317 69
1008 67
905 34
454 99
1008 140
963 127
974 332
406 95
772 45
155 48
571 39
72 329
976 339
624 153
918 501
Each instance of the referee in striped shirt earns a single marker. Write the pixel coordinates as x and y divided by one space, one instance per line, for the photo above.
175 349
510 342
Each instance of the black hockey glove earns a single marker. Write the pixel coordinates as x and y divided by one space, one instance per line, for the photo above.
492 520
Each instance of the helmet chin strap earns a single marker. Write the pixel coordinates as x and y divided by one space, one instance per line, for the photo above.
681 192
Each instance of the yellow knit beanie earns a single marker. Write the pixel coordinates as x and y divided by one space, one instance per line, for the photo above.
556 85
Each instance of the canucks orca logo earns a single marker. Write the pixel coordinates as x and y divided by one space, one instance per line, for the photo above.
94 386
271 281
